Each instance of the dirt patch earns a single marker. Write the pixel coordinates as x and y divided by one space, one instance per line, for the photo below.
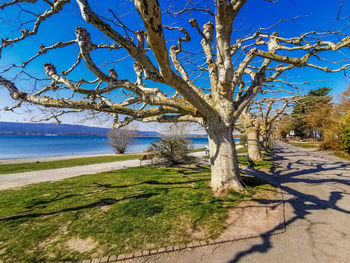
105 207
81 245
253 218
199 234
189 230
47 242
64 229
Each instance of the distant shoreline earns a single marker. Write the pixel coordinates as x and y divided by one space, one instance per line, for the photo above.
87 135
66 134
57 158
36 147
51 129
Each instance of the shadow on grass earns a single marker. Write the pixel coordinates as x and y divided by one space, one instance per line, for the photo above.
101 202
192 184
144 202
150 182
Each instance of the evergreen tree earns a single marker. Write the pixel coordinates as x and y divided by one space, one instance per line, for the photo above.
301 123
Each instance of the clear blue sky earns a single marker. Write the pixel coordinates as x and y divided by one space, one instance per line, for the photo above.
313 15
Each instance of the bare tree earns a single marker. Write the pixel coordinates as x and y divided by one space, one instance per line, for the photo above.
238 68
257 121
119 139
177 131
270 115
174 146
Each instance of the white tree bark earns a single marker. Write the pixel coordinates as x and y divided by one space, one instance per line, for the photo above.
254 148
225 173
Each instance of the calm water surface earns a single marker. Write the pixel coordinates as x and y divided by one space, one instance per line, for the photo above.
16 146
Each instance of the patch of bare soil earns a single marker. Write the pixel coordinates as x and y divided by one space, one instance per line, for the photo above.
64 229
189 231
199 234
254 218
81 245
2 251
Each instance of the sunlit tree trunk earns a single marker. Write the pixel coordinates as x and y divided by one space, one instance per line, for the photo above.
225 173
254 150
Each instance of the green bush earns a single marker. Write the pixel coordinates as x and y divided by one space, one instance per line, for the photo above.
346 139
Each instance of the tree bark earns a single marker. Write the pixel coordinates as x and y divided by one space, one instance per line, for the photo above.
254 150
267 139
225 173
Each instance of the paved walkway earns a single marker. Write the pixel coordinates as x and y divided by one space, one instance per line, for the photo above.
317 215
52 158
14 180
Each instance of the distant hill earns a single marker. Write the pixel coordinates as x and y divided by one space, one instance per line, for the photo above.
17 128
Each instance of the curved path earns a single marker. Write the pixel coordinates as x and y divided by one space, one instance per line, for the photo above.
316 190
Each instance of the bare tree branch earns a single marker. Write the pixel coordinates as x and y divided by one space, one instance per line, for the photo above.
56 7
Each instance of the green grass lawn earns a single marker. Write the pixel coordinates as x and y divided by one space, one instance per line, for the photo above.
27 167
197 150
266 163
113 212
242 150
306 145
243 160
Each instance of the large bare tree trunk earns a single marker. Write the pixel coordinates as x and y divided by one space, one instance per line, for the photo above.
267 140
254 151
225 173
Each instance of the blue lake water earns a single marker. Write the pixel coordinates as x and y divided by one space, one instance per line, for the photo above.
17 146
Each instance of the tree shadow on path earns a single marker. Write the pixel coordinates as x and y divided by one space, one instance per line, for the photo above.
301 203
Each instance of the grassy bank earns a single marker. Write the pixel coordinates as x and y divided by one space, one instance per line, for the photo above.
243 160
343 155
112 213
28 167
197 150
266 162
306 145
315 145
242 150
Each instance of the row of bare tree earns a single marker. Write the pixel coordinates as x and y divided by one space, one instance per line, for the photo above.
256 123
169 75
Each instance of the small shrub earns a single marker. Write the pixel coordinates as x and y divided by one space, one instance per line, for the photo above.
330 144
170 151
